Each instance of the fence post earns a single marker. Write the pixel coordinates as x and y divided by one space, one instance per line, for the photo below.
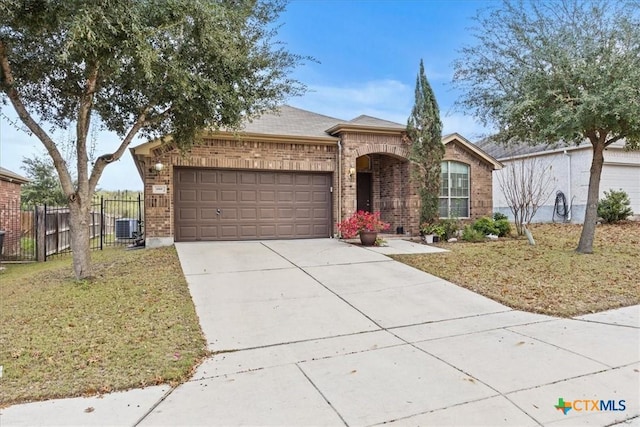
101 221
41 233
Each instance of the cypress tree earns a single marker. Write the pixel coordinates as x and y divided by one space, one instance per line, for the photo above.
424 129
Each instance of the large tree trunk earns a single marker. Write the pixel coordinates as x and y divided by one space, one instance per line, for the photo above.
585 246
80 237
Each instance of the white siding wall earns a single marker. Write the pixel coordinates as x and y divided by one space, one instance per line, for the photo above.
621 170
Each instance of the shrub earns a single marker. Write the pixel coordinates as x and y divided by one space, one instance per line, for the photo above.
498 216
451 227
615 206
486 226
503 226
470 234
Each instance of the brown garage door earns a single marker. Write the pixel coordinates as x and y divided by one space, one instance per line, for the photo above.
214 204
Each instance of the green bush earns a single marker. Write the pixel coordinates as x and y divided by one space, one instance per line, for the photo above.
503 226
450 226
615 206
470 234
485 225
498 216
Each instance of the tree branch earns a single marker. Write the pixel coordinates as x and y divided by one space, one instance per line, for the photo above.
8 84
105 159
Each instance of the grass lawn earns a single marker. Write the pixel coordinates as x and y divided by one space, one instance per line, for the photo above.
133 325
549 278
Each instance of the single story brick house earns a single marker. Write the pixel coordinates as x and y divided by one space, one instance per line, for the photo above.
294 174
10 187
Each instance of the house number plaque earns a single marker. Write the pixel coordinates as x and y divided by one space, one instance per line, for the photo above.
159 189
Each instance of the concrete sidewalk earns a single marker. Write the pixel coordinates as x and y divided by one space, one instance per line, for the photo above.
319 332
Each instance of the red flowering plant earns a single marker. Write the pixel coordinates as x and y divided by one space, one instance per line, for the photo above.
361 221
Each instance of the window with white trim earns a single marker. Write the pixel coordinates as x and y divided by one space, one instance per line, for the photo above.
454 190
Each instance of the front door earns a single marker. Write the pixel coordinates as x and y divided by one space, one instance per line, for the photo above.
364 193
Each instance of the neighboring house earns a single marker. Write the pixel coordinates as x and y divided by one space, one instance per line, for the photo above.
294 174
570 169
10 184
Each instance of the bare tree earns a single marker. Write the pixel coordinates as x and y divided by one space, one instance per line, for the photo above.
526 185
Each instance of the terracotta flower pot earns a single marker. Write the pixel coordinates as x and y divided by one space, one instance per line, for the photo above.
368 238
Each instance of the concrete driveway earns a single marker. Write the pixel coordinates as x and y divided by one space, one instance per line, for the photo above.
319 332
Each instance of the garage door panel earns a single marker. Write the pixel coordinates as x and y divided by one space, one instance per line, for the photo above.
267 178
185 214
267 214
187 177
248 196
208 213
228 214
208 232
267 196
248 213
267 231
303 213
320 215
208 196
320 197
214 204
303 196
248 178
188 233
228 195
208 177
248 231
187 195
284 180
228 177
285 196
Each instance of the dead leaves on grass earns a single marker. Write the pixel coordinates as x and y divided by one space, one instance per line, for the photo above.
549 278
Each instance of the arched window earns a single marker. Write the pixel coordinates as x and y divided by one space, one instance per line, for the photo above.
454 190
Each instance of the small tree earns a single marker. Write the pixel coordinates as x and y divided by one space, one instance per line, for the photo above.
424 129
558 71
44 186
144 67
526 185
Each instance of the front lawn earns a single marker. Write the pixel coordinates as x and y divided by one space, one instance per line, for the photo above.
133 325
549 278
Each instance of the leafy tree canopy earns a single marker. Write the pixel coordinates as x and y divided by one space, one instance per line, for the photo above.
154 66
555 71
148 67
43 187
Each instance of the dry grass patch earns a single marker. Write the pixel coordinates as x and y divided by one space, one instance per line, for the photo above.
133 325
549 278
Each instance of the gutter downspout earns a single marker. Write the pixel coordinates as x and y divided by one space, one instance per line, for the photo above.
569 183
339 181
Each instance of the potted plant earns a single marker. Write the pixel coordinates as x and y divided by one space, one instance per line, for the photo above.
367 225
432 232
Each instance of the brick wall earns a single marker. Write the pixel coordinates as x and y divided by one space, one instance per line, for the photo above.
228 154
481 189
394 193
10 216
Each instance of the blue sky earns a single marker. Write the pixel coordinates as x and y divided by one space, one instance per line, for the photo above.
368 53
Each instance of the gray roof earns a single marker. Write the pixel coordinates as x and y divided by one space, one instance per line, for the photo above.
6 174
502 151
288 120
291 121
374 121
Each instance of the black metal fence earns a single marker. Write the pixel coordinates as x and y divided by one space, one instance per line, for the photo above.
41 232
